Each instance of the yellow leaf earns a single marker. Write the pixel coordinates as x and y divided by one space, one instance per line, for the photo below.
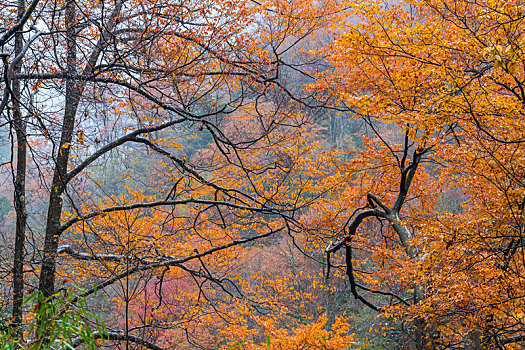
498 63
488 50
512 68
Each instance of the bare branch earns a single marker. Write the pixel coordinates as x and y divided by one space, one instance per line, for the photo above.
19 25
118 335
129 137
174 262
73 221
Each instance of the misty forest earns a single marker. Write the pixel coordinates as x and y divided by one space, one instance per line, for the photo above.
262 174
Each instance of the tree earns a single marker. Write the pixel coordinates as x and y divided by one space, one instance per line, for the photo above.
85 80
128 88
447 76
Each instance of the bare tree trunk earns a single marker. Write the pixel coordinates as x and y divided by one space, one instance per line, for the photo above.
58 186
74 91
19 182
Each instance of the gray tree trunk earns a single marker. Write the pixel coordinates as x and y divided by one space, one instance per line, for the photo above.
58 185
19 181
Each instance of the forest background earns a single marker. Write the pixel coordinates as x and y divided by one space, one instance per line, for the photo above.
262 174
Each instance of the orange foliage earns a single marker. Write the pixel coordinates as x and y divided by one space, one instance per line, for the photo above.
450 76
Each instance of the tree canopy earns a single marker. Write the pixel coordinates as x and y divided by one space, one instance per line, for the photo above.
263 174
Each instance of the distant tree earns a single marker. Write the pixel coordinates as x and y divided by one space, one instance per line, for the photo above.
5 207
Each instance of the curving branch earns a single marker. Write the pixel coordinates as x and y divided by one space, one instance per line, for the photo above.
351 279
350 230
215 203
120 141
380 210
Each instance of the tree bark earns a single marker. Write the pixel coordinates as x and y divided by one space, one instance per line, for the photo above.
58 186
19 181
74 91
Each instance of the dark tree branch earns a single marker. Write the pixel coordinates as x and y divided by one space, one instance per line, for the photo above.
19 25
92 215
173 262
351 278
116 336
510 340
127 138
89 257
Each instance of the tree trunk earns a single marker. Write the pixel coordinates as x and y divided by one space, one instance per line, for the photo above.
74 91
19 182
58 186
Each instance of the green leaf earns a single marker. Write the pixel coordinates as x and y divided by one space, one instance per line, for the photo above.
239 343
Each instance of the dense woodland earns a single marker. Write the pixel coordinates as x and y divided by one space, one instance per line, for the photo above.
262 174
